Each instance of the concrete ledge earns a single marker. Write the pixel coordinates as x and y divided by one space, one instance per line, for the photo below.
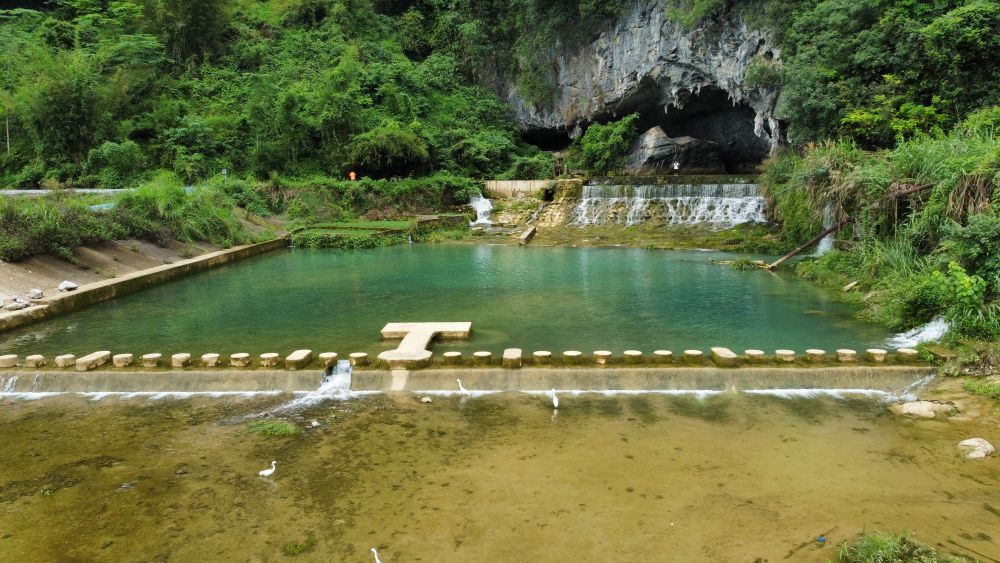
894 378
109 289
189 381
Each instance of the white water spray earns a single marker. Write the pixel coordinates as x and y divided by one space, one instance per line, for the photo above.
826 245
7 384
483 207
930 332
717 205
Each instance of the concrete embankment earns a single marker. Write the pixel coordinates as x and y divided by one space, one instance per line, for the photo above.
217 381
110 288
890 378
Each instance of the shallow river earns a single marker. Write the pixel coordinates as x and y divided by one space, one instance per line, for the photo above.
532 298
497 478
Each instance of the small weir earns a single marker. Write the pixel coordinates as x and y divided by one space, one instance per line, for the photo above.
483 207
717 205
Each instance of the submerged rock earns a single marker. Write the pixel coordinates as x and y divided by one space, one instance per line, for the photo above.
923 409
67 286
655 151
975 448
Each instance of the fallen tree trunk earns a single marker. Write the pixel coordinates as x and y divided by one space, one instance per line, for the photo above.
811 242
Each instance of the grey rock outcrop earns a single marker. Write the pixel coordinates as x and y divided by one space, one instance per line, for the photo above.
654 151
36 294
67 286
692 81
923 409
975 448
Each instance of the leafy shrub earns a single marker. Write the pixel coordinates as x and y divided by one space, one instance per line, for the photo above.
116 165
886 547
603 148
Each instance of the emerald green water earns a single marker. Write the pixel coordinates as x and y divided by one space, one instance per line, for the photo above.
532 298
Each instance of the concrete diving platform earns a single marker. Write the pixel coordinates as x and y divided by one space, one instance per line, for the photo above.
412 352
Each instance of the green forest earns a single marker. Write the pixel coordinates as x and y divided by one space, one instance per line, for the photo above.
289 96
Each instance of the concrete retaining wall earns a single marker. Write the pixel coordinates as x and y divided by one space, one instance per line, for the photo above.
516 188
162 381
109 289
675 378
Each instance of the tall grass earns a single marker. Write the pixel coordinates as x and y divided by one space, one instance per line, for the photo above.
157 211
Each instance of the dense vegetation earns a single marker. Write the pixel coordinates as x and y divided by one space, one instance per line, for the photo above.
887 547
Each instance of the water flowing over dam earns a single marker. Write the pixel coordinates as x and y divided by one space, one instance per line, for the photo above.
716 205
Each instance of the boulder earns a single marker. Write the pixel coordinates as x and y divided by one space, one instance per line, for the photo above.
16 305
35 294
922 409
67 286
654 151
93 361
975 448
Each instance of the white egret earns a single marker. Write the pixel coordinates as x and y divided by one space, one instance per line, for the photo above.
268 472
462 389
555 400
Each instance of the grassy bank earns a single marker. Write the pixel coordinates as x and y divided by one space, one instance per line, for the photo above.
158 211
931 251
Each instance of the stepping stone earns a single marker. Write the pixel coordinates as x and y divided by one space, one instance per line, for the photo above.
512 358
876 355
908 354
815 355
269 360
724 356
754 355
847 355
8 361
35 361
181 360
785 355
482 357
240 360
210 360
633 357
602 357
93 361
65 360
663 355
123 360
329 359
452 358
298 359
151 360
358 359
542 357
694 356
572 357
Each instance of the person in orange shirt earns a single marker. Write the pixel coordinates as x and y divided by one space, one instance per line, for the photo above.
352 176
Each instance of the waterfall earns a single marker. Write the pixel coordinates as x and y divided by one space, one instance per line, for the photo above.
930 332
718 205
7 384
483 207
826 245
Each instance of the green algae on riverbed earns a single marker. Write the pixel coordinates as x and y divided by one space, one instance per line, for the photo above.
497 478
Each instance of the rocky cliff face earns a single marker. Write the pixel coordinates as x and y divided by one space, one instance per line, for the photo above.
688 81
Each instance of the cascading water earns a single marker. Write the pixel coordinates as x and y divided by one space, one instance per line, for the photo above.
717 205
930 332
826 245
7 384
483 207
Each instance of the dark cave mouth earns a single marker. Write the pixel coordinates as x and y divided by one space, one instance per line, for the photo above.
708 115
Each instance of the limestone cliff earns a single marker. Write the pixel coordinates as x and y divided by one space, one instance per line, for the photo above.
690 81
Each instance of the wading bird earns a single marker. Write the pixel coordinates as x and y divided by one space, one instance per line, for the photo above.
267 472
462 389
555 400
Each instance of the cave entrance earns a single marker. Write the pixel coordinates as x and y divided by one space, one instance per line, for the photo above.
711 116
551 140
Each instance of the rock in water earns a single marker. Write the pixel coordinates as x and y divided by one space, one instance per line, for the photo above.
655 151
67 286
975 448
36 294
923 409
